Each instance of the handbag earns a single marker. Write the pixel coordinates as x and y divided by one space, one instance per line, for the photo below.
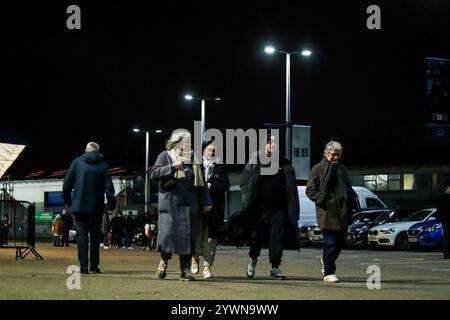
167 184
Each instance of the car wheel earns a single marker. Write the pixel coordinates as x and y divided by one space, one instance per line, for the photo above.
401 241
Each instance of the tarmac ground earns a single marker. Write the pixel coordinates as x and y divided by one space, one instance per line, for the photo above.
130 275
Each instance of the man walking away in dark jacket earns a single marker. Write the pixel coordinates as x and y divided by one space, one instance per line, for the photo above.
329 188
89 178
443 215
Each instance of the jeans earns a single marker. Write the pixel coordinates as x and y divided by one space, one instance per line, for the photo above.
205 245
88 230
56 241
334 242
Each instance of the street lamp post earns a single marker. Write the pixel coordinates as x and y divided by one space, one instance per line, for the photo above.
147 155
203 119
305 53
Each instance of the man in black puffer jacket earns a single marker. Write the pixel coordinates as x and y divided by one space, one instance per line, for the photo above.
89 178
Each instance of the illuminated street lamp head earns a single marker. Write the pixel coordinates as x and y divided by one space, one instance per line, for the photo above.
306 53
188 97
158 131
136 130
269 50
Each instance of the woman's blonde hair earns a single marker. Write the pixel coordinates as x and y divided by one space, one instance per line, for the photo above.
178 136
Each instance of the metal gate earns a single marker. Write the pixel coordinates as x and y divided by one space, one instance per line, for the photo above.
17 228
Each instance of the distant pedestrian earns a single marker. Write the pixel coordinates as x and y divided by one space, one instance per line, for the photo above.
182 197
117 229
329 188
90 180
66 226
56 230
5 224
130 226
144 222
443 215
106 229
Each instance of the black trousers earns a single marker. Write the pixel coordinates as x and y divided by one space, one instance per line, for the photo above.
271 228
88 230
65 239
446 239
333 243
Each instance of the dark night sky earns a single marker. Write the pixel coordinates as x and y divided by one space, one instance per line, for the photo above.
130 65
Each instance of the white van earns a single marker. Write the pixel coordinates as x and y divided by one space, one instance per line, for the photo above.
307 221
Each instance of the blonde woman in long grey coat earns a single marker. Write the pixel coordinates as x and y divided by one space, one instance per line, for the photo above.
182 195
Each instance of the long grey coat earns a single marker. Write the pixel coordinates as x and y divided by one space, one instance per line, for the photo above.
179 207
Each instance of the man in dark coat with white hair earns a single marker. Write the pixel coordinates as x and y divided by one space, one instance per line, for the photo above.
89 178
329 188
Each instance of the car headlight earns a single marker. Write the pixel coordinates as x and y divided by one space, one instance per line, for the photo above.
360 230
388 231
433 228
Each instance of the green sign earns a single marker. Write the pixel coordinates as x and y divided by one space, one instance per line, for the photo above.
125 212
44 217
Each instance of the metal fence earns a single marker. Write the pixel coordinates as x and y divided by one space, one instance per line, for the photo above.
17 227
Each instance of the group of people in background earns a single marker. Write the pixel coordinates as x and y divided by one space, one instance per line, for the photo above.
191 205
120 232
61 226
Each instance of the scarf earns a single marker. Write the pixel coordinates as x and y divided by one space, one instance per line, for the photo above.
176 155
334 181
209 168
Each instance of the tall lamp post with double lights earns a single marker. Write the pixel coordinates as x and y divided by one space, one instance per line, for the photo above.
202 126
305 53
147 154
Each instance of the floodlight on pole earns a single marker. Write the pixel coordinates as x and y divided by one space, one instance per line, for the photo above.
305 53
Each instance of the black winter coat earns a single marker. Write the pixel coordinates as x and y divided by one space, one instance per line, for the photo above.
90 179
443 208
219 185
242 223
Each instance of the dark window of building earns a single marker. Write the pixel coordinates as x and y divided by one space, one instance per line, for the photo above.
422 181
373 203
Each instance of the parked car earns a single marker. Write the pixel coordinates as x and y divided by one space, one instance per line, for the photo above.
73 236
315 236
307 223
427 234
396 234
359 230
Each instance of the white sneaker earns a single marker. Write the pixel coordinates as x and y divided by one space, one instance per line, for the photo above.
161 271
194 266
130 248
207 273
105 247
251 268
330 279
